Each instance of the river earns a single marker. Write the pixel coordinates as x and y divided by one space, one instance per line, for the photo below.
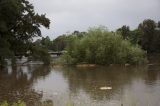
71 86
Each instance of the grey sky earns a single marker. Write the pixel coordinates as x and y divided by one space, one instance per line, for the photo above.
70 15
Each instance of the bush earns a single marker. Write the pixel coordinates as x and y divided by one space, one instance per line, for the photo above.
98 46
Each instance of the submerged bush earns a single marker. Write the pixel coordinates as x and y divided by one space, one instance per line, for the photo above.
99 46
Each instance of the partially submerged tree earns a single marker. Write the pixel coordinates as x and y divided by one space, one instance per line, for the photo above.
98 46
18 25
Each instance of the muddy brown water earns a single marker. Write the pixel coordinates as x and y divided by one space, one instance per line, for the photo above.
71 86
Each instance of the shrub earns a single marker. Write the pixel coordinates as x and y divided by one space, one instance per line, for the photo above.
98 46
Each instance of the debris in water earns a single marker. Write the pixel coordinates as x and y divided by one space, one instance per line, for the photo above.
105 88
150 64
55 93
126 65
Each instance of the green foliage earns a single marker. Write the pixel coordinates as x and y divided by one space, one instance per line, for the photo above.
47 43
124 31
147 35
99 46
150 35
135 36
18 25
4 104
69 103
40 53
59 43
19 103
47 103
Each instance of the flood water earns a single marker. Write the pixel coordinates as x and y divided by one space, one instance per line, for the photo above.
71 86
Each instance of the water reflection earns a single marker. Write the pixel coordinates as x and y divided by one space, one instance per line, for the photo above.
131 86
16 83
90 80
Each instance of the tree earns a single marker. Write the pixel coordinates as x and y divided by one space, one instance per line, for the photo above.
18 25
148 35
135 36
159 24
47 43
60 43
79 34
124 31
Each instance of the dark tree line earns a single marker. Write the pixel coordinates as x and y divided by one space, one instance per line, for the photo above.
150 39
59 43
147 35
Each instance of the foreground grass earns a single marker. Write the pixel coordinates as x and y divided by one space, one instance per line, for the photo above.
44 103
19 103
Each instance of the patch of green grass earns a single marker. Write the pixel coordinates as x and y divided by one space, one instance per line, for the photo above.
18 103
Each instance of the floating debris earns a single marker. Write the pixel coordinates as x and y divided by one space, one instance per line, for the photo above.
55 93
150 64
126 64
86 65
105 88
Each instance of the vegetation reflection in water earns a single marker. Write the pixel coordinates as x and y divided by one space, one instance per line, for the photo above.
65 86
16 84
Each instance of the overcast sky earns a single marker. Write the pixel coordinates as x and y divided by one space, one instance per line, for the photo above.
69 15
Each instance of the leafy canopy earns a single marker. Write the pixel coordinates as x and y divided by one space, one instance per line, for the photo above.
99 46
18 25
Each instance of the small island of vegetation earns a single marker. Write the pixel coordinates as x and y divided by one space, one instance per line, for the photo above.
99 46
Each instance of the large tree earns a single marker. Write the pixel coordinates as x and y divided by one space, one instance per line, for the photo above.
18 25
148 29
